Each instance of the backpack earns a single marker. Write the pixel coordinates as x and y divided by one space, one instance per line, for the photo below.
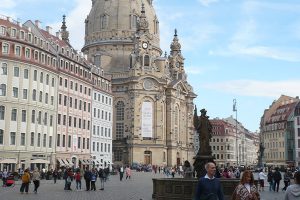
25 178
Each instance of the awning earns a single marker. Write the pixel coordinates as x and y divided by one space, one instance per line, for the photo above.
42 161
61 162
69 163
8 161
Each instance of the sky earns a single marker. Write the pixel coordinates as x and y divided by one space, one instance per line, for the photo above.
246 50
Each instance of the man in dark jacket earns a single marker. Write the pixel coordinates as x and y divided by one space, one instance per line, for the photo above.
277 177
208 186
87 177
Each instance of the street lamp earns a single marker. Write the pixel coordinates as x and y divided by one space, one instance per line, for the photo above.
236 136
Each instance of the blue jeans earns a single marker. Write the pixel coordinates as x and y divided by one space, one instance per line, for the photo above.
78 185
271 185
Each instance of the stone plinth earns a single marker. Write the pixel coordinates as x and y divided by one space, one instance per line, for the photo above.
184 189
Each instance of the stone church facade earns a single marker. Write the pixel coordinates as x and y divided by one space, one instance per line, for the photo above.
153 102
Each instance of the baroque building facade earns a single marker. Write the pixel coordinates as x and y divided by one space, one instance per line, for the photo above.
46 102
153 104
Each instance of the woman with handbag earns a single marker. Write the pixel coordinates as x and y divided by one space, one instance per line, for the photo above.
246 190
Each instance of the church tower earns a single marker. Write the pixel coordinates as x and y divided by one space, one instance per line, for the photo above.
153 102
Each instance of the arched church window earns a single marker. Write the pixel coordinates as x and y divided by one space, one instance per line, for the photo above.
104 21
120 111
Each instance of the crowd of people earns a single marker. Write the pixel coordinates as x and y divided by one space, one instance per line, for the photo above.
208 187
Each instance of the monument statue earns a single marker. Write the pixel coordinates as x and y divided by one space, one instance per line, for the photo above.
204 129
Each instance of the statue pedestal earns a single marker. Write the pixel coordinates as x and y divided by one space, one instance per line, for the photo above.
199 164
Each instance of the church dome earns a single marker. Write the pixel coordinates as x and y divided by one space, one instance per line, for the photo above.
111 25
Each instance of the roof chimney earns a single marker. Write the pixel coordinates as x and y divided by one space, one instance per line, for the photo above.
48 29
37 23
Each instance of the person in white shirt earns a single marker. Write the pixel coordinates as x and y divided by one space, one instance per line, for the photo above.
261 178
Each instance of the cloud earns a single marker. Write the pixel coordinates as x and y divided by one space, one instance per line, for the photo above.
257 88
196 70
75 23
7 4
207 2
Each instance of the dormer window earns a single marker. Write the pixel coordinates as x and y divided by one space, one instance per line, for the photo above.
22 35
35 40
62 50
29 37
13 32
2 30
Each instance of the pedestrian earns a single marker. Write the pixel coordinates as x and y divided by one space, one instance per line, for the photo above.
128 172
102 176
277 178
271 179
293 191
286 180
93 179
36 179
121 172
69 180
261 178
25 181
5 175
55 175
208 186
78 180
246 190
87 177
187 170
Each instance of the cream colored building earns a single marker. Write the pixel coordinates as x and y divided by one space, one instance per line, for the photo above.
153 103
275 130
28 84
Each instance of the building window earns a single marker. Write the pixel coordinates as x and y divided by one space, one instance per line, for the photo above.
118 155
41 77
87 143
103 21
2 90
34 75
2 112
1 136
32 139
26 73
16 72
27 53
120 111
14 114
23 115
39 140
79 143
50 141
41 96
53 82
51 120
47 79
22 143
17 50
46 98
4 69
44 140
119 131
40 117
3 30
12 138
146 61
5 48
58 140
45 119
34 95
52 100
15 92
13 32
33 116
69 141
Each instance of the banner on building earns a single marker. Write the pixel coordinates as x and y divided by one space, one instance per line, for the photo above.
147 119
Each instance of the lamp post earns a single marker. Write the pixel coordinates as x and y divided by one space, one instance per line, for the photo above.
236 134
